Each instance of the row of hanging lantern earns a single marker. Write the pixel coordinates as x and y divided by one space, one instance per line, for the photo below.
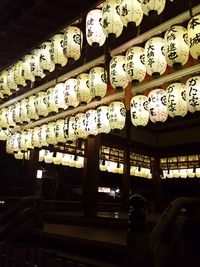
176 100
116 14
110 166
55 52
140 172
182 173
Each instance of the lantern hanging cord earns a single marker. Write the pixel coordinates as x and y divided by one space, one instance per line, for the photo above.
190 8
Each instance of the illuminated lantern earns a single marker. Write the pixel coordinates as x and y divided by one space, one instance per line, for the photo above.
152 7
71 92
41 155
65 160
198 172
111 21
132 170
94 31
48 158
176 46
26 68
36 138
29 139
190 173
60 133
45 58
83 90
3 118
155 61
80 129
169 174
31 108
176 173
51 133
41 105
193 36
50 100
69 129
139 110
193 93
79 162
58 158
176 100
3 83
98 82
35 65
19 155
9 144
117 115
3 135
16 142
59 94
10 79
10 116
72 162
17 113
27 155
22 142
18 74
102 165
131 13
158 105
91 122
24 110
118 78
135 67
56 52
72 44
43 135
103 125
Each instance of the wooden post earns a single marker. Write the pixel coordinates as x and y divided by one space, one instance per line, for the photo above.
157 184
91 176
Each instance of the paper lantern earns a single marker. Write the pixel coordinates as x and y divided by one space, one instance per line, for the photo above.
176 100
80 129
197 172
69 129
84 94
91 122
135 67
56 52
169 174
18 74
176 173
193 36
16 142
190 173
58 158
60 133
3 83
35 65
176 46
152 7
48 158
79 162
9 144
41 155
103 124
102 165
17 113
111 21
158 105
50 100
41 105
71 92
43 135
24 110
98 82
3 118
155 61
65 160
3 135
31 108
139 110
118 78
22 143
45 58
26 69
19 155
36 138
72 43
10 116
131 13
94 31
51 133
29 139
193 93
132 170
117 115
59 94
10 80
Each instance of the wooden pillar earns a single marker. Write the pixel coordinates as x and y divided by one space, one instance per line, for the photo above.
91 176
157 184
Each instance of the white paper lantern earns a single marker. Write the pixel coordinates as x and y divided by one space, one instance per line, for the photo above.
102 165
5 89
41 105
197 172
41 155
79 162
10 80
60 131
139 110
94 31
3 134
56 52
118 78
190 173
31 108
48 158
158 105
176 46
19 155
155 61
36 138
176 173
80 129
50 100
17 113
193 93
58 158
111 21
16 142
117 115
169 174
176 99
29 139
24 110
103 124
152 7
59 94
26 69
91 122
10 116
45 58
9 144
18 74
69 129
3 118
193 36
98 82
71 92
35 65
22 143
135 67
72 44
43 135
84 94
51 133
131 13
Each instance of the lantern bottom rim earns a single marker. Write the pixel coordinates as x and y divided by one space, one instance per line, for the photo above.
95 44
177 66
119 89
58 66
46 72
153 13
135 81
155 75
131 24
